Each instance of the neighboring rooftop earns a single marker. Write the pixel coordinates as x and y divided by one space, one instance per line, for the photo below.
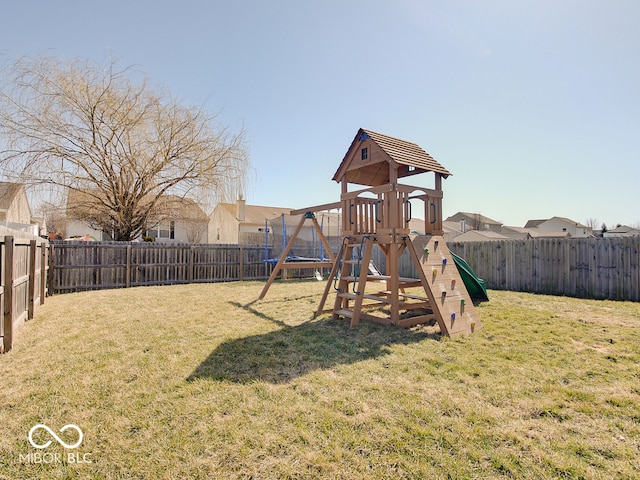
255 214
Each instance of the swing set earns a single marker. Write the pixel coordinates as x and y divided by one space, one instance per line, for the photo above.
378 216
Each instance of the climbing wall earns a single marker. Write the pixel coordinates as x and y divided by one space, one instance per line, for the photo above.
447 293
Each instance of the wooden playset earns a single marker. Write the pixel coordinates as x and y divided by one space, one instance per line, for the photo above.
379 216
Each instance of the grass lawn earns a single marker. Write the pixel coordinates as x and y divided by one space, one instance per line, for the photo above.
202 381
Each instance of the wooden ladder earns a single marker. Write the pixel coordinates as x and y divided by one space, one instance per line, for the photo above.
444 299
354 271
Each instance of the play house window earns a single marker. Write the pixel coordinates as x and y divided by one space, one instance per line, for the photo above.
364 153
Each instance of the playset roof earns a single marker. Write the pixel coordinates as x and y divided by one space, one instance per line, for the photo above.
370 154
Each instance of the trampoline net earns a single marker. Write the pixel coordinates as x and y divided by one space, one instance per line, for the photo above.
308 243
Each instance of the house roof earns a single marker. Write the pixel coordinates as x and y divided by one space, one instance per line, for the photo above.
8 192
622 229
451 227
255 214
568 220
177 207
537 223
474 235
534 223
517 233
476 217
381 151
79 202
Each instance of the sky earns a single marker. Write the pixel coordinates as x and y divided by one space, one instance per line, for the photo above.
532 105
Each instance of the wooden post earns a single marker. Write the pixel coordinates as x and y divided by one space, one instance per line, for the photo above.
191 267
241 263
282 259
394 283
7 314
51 287
43 271
437 228
127 268
33 248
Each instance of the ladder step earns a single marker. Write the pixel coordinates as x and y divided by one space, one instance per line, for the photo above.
353 296
404 281
422 302
370 278
413 297
343 312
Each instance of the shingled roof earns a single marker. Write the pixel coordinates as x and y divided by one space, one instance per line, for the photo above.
8 193
381 150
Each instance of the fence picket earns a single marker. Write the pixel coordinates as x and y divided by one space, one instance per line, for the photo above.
600 268
100 265
22 283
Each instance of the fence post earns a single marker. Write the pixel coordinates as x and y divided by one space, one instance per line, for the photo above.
51 288
192 254
33 248
127 280
43 271
7 315
241 263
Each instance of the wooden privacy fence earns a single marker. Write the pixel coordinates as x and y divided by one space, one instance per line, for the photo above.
78 266
599 268
22 283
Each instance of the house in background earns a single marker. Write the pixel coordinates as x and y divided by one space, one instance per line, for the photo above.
473 227
621 231
516 233
178 220
15 212
239 223
558 227
474 221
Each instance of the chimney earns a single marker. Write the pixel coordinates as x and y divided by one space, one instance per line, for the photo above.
240 203
463 225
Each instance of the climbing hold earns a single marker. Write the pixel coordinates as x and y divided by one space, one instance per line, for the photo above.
435 272
453 283
444 294
444 261
473 326
426 251
462 302
453 316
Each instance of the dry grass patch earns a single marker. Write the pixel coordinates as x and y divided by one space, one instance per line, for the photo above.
202 381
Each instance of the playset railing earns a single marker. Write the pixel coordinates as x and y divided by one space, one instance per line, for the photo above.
388 209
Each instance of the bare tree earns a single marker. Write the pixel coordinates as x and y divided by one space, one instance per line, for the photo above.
55 221
104 132
477 222
592 223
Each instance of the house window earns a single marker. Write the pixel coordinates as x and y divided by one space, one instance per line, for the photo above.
364 153
163 230
411 168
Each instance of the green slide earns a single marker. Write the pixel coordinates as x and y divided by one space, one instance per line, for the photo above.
475 286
